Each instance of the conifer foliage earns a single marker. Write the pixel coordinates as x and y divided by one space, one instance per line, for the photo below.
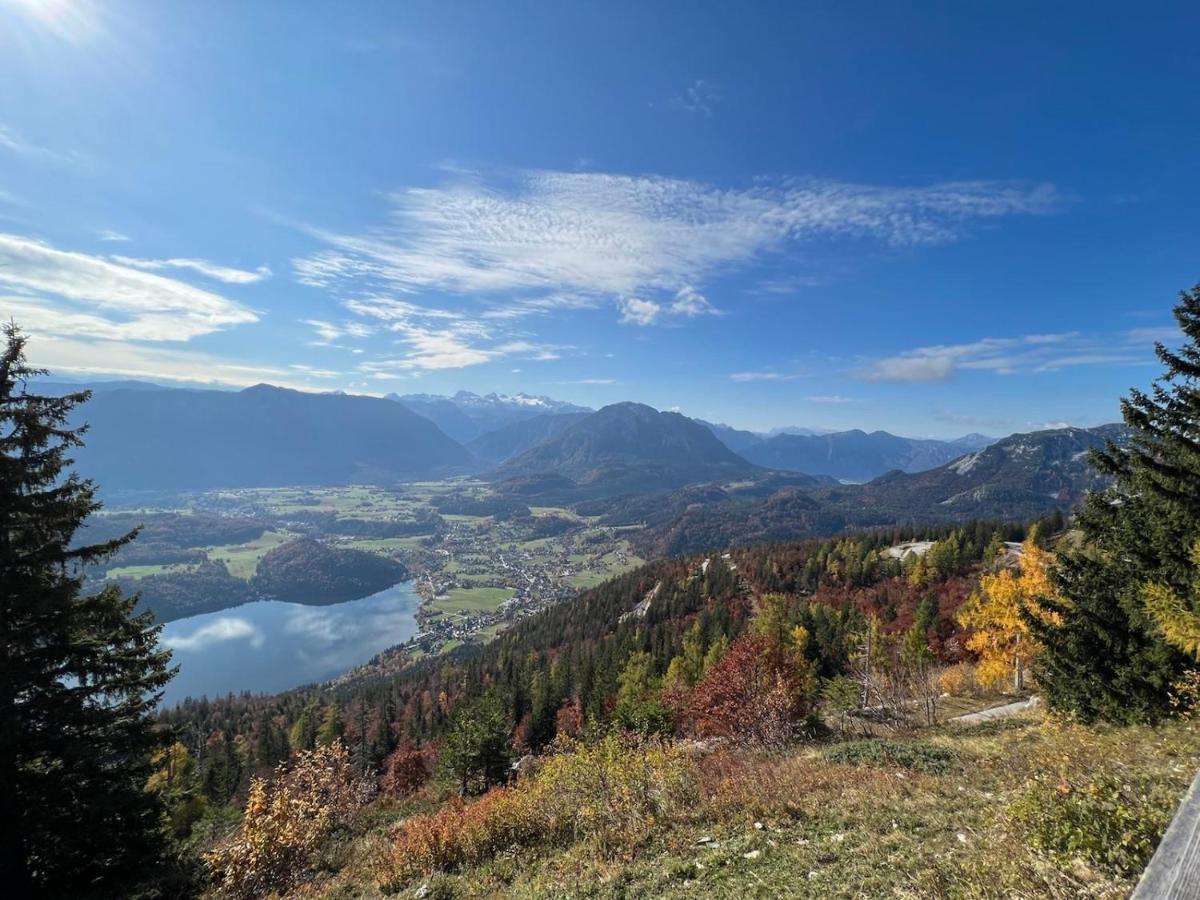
1128 602
79 675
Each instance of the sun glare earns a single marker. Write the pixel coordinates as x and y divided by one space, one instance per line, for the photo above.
70 20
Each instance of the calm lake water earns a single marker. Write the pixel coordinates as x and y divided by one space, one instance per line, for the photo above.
272 646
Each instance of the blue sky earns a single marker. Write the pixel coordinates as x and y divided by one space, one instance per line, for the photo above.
931 218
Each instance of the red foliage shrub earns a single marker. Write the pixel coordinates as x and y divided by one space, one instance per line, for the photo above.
568 721
755 693
407 770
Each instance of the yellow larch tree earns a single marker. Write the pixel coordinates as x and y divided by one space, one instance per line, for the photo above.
993 613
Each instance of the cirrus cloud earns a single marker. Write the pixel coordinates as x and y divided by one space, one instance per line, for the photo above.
1022 354
648 244
68 293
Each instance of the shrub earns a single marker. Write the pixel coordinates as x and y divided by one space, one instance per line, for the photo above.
610 793
920 756
958 680
406 770
1112 822
286 821
756 693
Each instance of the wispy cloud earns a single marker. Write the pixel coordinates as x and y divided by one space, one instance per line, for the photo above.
67 293
107 234
18 144
591 381
89 357
1023 354
455 347
331 331
545 240
701 96
765 375
833 399
227 274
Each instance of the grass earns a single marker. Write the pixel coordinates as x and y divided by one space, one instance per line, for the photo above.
610 565
384 545
943 813
919 756
242 559
476 599
143 571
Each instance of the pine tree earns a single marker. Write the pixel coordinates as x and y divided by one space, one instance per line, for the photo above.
475 751
79 675
1107 657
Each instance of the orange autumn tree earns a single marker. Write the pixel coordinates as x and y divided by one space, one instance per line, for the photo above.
999 635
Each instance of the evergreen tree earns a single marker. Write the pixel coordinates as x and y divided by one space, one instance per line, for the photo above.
332 729
1106 656
79 675
475 752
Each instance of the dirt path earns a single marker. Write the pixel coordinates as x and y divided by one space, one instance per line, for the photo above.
996 712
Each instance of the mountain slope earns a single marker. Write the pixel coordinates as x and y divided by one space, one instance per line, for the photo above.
854 455
1020 477
628 447
735 439
261 436
517 437
467 415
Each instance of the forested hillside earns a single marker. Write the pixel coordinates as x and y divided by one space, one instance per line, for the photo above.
566 664
1022 476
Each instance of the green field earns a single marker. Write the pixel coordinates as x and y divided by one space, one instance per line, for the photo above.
384 545
143 571
242 559
477 599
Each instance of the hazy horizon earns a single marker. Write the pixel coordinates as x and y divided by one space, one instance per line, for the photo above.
974 221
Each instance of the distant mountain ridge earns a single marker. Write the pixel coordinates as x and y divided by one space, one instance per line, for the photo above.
856 455
467 415
629 447
1019 477
513 439
169 439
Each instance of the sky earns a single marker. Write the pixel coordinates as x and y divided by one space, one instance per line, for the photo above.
931 218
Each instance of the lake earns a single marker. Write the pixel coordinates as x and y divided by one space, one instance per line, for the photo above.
272 646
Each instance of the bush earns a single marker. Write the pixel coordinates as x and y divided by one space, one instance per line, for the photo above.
919 756
1112 822
286 822
755 694
958 680
610 794
406 770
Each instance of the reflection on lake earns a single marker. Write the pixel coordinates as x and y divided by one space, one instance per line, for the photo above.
271 646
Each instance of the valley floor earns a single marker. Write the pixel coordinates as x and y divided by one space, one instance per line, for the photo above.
1021 807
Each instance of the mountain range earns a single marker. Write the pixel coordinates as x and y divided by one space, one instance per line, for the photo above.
168 439
1019 477
515 438
632 464
856 455
467 416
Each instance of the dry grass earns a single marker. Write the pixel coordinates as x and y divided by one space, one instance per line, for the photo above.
795 824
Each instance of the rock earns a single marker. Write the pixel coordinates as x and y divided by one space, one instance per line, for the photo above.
753 854
422 892
758 826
